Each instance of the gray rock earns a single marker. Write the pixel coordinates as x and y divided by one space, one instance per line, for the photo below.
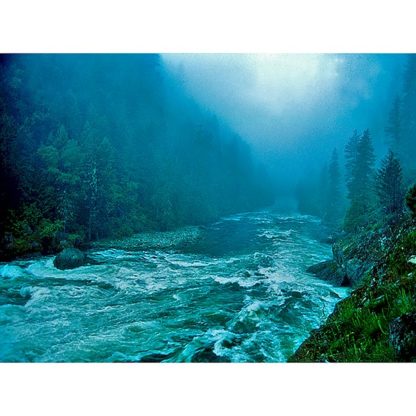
329 271
70 258
402 337
350 266
355 269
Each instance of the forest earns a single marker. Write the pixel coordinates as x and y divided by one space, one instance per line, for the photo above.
99 146
364 189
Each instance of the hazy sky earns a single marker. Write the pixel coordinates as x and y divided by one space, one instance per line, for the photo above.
293 109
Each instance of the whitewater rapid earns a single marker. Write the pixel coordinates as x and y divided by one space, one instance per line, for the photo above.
233 291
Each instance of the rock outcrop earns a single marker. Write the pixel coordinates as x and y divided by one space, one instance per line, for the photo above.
70 258
377 321
330 271
402 336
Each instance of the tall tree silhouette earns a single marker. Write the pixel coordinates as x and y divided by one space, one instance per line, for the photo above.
389 185
361 183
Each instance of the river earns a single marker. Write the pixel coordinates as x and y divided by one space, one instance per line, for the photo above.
233 291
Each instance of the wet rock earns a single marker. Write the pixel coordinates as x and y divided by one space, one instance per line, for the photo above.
206 355
154 358
402 337
349 264
329 271
354 270
70 258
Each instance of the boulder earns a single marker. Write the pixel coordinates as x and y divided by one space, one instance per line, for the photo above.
328 270
70 258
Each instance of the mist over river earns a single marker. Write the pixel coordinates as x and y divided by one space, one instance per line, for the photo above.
233 291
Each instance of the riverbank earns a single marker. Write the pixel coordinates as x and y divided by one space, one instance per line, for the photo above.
377 322
36 246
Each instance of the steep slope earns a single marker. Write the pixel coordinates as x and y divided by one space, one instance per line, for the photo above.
96 146
377 322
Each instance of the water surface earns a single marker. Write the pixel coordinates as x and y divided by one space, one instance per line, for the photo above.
234 291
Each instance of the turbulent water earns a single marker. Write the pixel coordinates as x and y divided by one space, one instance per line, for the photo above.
235 291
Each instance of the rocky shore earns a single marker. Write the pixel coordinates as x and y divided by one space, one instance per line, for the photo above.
377 322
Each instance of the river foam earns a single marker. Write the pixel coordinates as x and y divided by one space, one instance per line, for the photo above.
234 291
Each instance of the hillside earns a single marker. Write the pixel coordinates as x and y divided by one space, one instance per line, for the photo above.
105 146
377 322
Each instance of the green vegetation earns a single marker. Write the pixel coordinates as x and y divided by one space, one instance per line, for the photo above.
360 181
389 182
360 329
105 146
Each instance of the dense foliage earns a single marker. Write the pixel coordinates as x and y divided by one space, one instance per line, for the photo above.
94 146
360 181
390 185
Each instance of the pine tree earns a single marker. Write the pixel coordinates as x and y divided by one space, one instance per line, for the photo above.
389 185
59 177
361 184
351 160
364 168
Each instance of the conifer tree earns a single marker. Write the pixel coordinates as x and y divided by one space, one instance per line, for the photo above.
351 159
389 185
361 184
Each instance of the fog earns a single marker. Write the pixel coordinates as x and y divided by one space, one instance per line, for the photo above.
294 108
179 139
181 207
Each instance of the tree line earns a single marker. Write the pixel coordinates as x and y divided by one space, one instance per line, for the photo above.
97 146
369 193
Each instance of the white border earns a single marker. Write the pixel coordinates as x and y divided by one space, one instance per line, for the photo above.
206 389
208 26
